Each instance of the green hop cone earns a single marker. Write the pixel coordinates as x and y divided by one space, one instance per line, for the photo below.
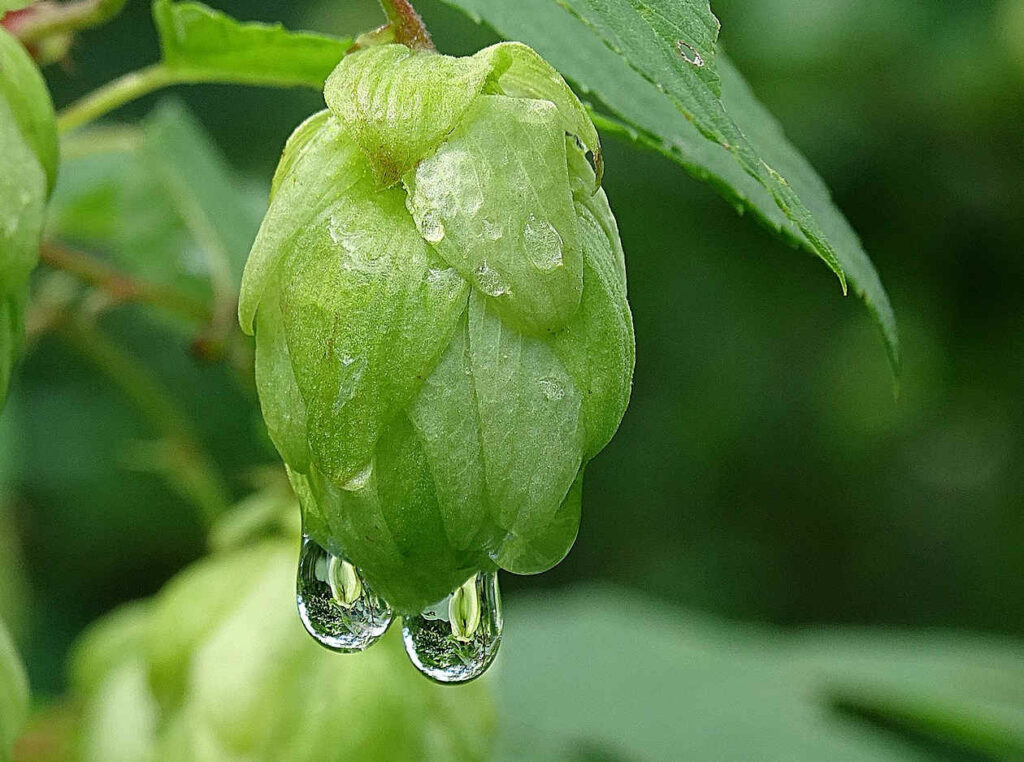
438 295
28 169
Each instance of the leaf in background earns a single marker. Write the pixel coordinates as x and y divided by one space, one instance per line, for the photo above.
609 673
13 693
639 58
208 198
13 5
203 43
162 202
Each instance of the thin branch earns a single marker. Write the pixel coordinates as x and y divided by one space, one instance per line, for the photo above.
407 25
120 286
115 94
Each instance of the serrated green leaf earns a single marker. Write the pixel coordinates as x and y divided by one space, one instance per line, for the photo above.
494 200
207 44
629 59
14 693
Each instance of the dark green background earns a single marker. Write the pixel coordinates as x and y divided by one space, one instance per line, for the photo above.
764 470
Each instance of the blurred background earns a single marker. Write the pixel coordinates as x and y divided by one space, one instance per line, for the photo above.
765 472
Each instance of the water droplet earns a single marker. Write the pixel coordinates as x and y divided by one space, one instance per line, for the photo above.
489 280
359 249
441 276
336 605
542 243
360 480
552 388
492 230
456 639
431 227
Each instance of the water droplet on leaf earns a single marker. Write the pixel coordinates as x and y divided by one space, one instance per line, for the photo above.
552 388
431 228
360 480
336 605
456 639
542 243
492 230
489 281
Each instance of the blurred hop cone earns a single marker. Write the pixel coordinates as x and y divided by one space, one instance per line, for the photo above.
217 667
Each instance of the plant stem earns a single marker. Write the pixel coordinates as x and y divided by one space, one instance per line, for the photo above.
120 286
46 19
115 94
134 85
180 455
407 25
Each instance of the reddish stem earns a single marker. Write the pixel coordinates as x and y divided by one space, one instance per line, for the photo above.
407 25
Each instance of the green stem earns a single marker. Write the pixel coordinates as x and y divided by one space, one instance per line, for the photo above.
184 462
115 94
134 85
46 19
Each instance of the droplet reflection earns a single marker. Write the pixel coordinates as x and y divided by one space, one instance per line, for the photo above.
456 639
336 605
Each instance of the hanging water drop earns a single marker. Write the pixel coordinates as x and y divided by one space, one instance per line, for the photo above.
336 605
456 639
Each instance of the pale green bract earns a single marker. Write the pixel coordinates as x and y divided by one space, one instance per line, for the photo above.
28 168
438 296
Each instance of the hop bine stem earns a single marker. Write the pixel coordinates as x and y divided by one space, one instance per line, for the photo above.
406 25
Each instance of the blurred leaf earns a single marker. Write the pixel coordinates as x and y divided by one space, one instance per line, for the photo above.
12 308
161 201
204 193
641 60
13 693
202 43
628 678
13 5
251 684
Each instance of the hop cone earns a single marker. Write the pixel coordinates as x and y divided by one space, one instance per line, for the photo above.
438 296
28 168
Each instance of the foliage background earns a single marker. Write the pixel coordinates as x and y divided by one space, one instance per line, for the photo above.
764 472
